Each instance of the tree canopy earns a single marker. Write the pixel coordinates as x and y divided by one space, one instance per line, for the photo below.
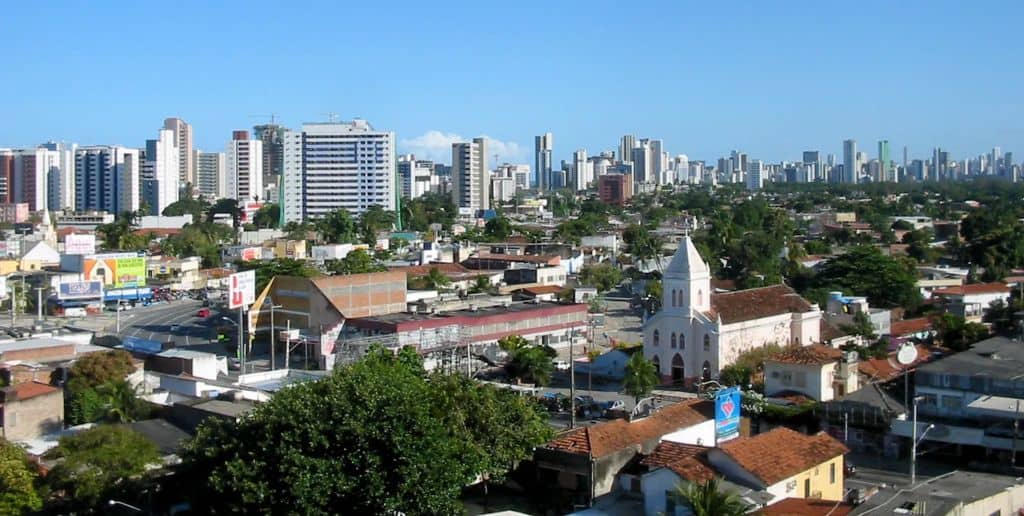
357 261
641 376
18 492
376 437
602 276
864 271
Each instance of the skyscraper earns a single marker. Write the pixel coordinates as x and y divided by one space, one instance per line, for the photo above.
643 162
211 177
851 170
470 181
107 178
160 172
416 176
183 139
813 158
626 147
542 149
44 177
244 162
755 175
658 161
6 175
884 161
60 175
272 136
338 165
994 161
583 172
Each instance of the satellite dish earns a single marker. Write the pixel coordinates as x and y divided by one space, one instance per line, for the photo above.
906 355
853 356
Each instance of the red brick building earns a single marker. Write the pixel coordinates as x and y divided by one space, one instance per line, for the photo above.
615 189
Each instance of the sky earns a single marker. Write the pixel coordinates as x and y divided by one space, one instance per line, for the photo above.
768 78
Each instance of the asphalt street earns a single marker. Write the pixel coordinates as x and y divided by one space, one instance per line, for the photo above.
155 323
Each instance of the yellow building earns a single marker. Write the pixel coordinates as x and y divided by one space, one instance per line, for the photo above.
784 463
284 248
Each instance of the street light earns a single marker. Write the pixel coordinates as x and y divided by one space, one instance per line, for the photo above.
113 503
914 440
270 300
241 347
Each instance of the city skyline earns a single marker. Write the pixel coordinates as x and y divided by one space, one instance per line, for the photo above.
745 84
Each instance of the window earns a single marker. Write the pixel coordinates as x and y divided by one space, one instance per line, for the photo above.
707 343
673 341
682 341
657 338
832 473
807 488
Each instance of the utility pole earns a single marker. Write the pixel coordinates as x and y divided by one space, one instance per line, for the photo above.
288 345
1016 424
39 303
846 427
241 346
913 444
273 339
572 380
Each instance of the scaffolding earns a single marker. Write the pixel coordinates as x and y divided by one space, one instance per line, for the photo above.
448 348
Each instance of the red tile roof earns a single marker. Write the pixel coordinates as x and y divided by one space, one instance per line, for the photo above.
27 390
973 289
815 354
829 332
781 453
686 460
757 303
543 289
910 326
605 438
518 258
806 507
451 270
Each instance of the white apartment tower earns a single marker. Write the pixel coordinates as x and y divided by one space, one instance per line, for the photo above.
183 139
211 177
244 162
107 178
44 177
851 166
470 181
337 165
542 150
417 176
161 175
583 170
755 175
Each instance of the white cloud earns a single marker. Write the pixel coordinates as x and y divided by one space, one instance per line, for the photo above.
437 146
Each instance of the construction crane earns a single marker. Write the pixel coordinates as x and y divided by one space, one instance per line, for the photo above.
272 117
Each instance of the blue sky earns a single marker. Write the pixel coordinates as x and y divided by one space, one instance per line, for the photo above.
769 78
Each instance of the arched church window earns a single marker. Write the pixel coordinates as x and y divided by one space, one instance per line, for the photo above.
707 343
706 371
657 338
673 340
700 297
674 298
682 341
656 362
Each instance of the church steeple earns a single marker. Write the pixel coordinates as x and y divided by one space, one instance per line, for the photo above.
686 284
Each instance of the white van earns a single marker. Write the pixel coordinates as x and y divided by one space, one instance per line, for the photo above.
74 312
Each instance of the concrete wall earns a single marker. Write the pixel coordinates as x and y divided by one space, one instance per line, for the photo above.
816 379
31 418
821 482
701 434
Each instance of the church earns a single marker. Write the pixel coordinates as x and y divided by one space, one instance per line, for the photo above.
697 332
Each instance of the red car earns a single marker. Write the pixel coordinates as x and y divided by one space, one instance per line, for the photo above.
203 312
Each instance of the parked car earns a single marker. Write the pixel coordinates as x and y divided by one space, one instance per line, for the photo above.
175 328
203 312
561 365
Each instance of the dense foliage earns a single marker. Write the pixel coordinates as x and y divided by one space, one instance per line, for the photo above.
18 481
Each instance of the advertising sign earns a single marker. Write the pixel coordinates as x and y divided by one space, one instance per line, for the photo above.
120 270
80 244
3 287
251 253
80 290
727 414
241 289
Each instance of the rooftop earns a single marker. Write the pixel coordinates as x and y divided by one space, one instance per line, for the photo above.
757 303
453 315
27 390
974 289
605 438
998 358
33 343
167 437
910 326
686 460
781 453
940 495
815 354
543 289
806 507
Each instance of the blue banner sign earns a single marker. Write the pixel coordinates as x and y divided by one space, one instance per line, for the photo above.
727 413
137 345
80 290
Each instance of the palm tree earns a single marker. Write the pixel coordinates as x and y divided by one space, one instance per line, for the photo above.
119 397
435 279
707 500
482 284
641 377
531 363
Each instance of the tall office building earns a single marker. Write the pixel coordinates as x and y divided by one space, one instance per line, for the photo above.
994 161
272 136
645 162
626 146
755 175
813 158
244 162
183 138
851 170
583 171
44 177
416 176
338 165
470 181
161 175
905 162
7 175
211 175
60 176
659 163
543 146
884 161
107 178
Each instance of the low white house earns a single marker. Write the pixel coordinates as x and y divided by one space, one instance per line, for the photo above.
972 301
818 372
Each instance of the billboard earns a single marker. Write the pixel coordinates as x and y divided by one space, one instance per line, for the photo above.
251 253
80 290
241 289
80 244
727 414
119 270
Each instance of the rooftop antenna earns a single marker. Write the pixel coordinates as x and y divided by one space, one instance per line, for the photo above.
272 117
332 117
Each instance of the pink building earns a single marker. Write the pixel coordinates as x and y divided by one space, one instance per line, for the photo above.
13 213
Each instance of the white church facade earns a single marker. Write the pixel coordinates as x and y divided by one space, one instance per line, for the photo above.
698 332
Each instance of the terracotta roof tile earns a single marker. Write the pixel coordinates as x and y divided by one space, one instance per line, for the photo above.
806 507
973 289
781 453
543 289
686 460
604 438
757 303
517 258
451 270
27 390
909 326
829 332
815 354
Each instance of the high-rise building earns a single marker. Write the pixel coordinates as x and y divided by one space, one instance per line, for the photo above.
659 163
211 174
470 181
626 146
755 175
161 176
338 165
614 188
272 136
60 176
851 169
884 161
994 161
6 176
542 149
416 176
244 162
107 178
644 162
44 177
583 171
813 158
183 138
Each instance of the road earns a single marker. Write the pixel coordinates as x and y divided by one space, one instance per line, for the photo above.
154 322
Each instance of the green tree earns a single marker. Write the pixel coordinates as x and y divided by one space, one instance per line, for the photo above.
357 261
602 276
512 343
641 377
865 271
957 334
373 221
187 206
336 227
268 216
18 493
860 326
498 229
98 464
95 369
481 285
358 438
532 364
430 208
229 206
708 499
434 279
